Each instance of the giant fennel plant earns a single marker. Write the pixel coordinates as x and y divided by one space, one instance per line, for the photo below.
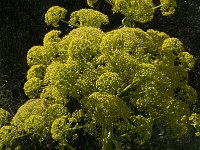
112 86
139 10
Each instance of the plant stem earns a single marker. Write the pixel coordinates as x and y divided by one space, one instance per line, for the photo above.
75 25
134 83
158 6
69 147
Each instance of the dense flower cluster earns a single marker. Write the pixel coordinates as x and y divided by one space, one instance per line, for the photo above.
54 15
139 10
5 117
110 85
88 17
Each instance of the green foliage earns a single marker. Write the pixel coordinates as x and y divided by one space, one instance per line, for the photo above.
5 117
143 128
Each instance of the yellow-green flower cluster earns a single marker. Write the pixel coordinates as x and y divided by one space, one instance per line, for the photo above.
64 128
7 136
33 87
59 129
187 94
101 70
56 94
109 82
158 38
105 109
130 40
88 17
55 111
37 71
5 117
139 10
34 56
31 107
81 44
52 37
54 15
172 46
167 7
186 60
35 125
44 55
86 82
195 121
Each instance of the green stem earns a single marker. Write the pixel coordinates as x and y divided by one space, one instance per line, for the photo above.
133 84
117 145
75 25
69 147
158 6
107 138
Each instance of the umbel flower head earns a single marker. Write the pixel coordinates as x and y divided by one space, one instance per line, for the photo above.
31 107
54 15
88 17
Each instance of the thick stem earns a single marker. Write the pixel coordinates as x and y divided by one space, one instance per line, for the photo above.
69 147
107 138
133 84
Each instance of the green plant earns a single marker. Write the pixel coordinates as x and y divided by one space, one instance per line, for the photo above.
139 10
113 86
